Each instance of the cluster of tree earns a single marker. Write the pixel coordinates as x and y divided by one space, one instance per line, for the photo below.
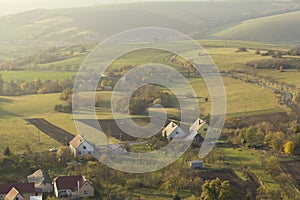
112 183
266 134
218 190
34 61
66 96
36 86
185 67
285 188
275 63
146 97
242 49
294 52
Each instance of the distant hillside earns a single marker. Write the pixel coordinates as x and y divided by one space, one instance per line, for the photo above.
283 28
25 32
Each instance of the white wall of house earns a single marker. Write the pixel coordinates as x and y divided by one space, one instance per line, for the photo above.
66 193
177 133
84 148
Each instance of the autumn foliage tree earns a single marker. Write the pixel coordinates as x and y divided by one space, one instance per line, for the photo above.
289 147
217 190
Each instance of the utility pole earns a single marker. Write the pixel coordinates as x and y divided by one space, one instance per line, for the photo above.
39 140
108 133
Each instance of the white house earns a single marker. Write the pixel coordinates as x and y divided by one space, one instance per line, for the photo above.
41 181
72 187
173 131
199 126
80 147
197 131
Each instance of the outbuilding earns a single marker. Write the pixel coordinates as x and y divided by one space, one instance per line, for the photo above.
196 164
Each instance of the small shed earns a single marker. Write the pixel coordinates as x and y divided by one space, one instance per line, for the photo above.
196 164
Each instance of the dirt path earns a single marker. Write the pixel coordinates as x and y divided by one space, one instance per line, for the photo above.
51 130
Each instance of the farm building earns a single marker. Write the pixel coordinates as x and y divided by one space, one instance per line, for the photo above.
196 164
173 131
41 181
199 126
72 187
80 147
196 131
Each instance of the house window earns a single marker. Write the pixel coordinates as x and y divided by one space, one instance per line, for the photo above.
86 192
79 152
205 129
89 152
84 147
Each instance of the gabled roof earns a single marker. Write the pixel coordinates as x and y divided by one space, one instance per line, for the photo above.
70 182
39 177
169 129
197 125
76 141
12 194
21 187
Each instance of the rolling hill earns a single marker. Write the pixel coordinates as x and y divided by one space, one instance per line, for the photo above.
31 30
283 28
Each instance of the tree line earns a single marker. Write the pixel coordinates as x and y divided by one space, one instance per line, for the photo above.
12 88
48 56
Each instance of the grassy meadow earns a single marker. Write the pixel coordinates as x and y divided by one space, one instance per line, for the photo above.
266 29
29 76
14 130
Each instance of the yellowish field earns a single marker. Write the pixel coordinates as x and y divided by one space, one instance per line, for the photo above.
240 96
14 131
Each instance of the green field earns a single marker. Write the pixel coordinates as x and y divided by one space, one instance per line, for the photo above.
31 75
14 130
75 60
273 29
239 96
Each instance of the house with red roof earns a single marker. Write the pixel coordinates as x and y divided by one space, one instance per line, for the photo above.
72 187
18 191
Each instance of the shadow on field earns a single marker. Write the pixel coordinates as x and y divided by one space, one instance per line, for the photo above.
4 114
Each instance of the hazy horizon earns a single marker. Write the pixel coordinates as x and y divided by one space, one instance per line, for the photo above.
13 6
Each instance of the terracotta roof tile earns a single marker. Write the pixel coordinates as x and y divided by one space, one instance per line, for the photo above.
69 182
